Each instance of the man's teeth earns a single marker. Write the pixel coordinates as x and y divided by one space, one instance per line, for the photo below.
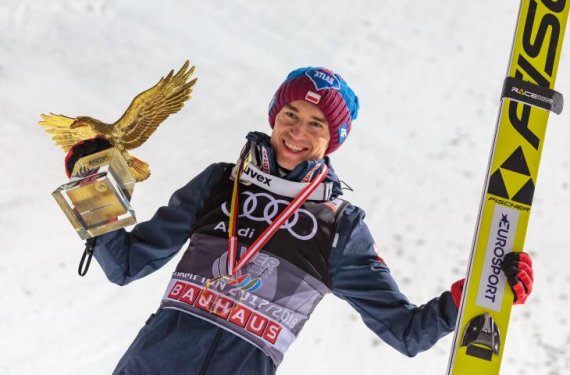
293 147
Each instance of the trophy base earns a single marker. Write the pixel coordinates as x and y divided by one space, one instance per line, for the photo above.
98 203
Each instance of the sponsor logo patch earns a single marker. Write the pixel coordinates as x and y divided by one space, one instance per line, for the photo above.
501 239
309 176
263 207
334 204
323 79
246 282
265 161
512 180
342 133
227 309
257 176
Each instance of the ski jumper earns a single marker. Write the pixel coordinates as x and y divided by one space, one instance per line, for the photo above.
208 323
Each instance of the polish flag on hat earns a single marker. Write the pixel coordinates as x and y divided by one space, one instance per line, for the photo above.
313 97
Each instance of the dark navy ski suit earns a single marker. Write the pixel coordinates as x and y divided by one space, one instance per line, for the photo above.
244 327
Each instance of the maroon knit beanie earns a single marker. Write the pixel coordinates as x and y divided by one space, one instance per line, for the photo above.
328 91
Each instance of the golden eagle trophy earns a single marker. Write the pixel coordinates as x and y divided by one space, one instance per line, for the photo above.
96 199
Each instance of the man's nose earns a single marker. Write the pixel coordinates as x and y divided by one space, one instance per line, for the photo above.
298 129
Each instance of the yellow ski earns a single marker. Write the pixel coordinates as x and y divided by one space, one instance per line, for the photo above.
527 99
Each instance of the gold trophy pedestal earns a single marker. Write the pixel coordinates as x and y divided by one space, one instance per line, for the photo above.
96 200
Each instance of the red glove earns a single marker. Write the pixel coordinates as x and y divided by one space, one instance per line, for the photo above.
518 269
457 291
84 148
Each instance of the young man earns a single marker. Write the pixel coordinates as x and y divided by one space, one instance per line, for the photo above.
269 237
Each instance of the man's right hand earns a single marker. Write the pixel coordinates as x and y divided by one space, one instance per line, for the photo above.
84 148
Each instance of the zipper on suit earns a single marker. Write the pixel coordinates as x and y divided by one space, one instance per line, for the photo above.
210 354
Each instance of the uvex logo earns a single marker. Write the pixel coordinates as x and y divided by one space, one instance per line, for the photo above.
539 36
258 176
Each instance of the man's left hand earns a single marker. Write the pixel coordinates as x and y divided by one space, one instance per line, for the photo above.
518 269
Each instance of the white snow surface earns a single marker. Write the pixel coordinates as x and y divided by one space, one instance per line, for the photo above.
428 75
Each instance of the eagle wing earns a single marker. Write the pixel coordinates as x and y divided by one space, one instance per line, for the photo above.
151 107
62 135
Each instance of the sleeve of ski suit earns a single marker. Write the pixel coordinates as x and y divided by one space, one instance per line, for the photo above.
125 256
361 278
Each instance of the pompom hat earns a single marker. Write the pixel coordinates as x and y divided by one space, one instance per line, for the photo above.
325 89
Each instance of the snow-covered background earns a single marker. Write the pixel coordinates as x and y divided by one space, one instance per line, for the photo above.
428 75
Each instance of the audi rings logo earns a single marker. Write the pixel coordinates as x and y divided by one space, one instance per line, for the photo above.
271 210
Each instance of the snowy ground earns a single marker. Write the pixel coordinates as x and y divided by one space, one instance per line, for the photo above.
428 75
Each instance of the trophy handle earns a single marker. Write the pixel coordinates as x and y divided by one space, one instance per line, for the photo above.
87 255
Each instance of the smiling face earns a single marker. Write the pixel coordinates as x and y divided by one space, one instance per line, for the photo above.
300 133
